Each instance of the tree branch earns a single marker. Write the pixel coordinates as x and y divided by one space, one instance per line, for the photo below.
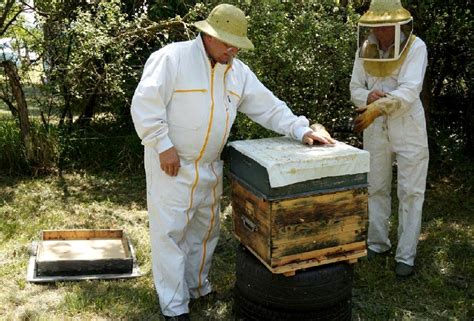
9 23
10 105
38 12
8 6
151 29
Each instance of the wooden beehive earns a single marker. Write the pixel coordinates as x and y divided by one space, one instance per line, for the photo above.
297 206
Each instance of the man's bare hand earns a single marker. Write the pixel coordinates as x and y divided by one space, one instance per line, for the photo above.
169 161
318 135
374 95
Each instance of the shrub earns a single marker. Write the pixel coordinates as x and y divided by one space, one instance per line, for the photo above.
304 54
13 158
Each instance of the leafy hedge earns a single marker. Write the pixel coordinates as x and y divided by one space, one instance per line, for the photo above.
304 54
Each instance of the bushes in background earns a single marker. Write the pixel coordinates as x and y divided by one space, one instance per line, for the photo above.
94 55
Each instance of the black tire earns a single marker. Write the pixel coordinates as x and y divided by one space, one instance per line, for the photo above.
247 310
318 287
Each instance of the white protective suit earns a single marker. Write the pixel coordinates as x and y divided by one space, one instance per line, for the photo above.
401 135
182 101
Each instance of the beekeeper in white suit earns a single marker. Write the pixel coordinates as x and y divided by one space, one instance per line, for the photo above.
183 109
386 82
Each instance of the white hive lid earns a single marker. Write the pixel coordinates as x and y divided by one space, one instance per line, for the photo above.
288 161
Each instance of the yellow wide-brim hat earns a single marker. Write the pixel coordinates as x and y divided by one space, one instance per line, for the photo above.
385 11
228 24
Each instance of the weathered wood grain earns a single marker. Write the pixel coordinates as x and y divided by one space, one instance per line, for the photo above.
321 254
320 207
301 232
81 234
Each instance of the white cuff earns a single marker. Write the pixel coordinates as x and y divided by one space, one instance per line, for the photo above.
160 145
300 131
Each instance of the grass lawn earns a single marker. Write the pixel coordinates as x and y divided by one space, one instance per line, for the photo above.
441 289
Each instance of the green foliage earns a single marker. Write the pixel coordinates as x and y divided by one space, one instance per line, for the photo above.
12 158
304 54
103 145
94 54
165 9
93 64
446 27
13 155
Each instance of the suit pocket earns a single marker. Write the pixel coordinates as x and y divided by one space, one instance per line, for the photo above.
189 108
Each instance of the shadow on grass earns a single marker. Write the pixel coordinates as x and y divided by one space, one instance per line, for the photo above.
7 188
128 299
87 187
136 299
84 186
441 287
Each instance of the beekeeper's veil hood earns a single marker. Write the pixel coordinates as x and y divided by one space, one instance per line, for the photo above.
386 21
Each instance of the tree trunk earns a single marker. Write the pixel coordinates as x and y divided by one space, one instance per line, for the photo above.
10 106
22 107
468 121
343 4
88 112
426 94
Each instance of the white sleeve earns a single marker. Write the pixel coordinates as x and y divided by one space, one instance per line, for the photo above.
260 105
358 84
411 75
151 98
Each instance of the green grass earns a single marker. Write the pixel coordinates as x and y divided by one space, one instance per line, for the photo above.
441 289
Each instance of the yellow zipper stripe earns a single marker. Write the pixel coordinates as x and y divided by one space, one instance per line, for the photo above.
225 76
201 153
225 133
234 93
209 230
190 91
227 115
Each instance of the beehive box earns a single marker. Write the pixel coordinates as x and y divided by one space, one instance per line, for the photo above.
83 252
297 206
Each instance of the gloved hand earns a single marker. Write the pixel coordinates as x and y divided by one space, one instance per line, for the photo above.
366 116
382 106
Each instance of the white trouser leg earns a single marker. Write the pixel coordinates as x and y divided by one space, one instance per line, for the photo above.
412 160
183 229
202 235
168 202
380 181
168 262
202 242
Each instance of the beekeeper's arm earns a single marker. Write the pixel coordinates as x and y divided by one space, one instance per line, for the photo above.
410 80
260 105
149 108
360 95
358 84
